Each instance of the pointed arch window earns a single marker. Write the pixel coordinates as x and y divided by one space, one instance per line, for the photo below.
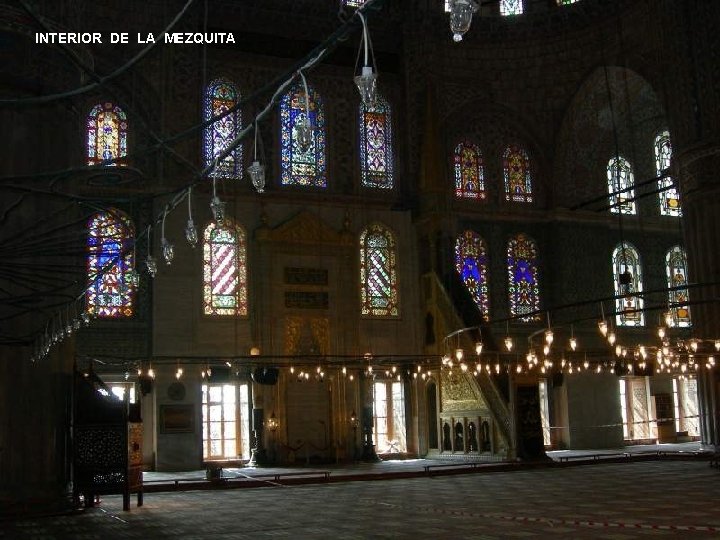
376 152
224 270
469 171
298 168
471 263
621 182
511 7
378 272
220 96
110 265
676 271
107 129
669 197
523 279
627 276
518 178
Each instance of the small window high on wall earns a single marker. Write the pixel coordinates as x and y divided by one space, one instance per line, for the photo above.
220 96
224 270
669 197
471 263
621 182
468 171
676 271
518 178
378 272
107 129
627 276
523 279
511 7
109 264
376 149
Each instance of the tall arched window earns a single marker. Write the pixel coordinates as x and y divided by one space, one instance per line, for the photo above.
298 168
676 270
621 182
669 198
469 176
378 273
107 134
627 275
376 153
224 270
220 96
511 7
110 263
518 179
523 279
471 264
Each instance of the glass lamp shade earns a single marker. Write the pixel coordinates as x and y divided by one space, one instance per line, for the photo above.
304 133
168 251
191 233
257 176
367 85
461 12
133 278
151 265
218 209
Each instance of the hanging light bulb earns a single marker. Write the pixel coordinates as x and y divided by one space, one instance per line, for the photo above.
478 348
85 316
218 209
643 352
694 345
573 343
168 250
303 126
151 373
179 373
151 265
668 318
717 344
190 229
508 343
366 82
461 12
546 350
618 350
661 332
549 337
603 327
611 337
256 170
459 354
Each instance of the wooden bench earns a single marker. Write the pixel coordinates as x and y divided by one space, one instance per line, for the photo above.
279 476
469 464
594 457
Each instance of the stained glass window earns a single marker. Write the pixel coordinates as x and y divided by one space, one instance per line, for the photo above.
523 279
471 264
621 182
511 7
669 198
224 270
110 263
627 276
378 274
353 3
676 270
297 167
518 180
565 2
468 163
220 96
376 156
107 134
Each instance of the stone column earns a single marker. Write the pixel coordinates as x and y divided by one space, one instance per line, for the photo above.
699 174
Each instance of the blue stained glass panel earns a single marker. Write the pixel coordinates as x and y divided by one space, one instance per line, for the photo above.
298 167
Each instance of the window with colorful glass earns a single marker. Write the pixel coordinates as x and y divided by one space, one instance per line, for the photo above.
110 265
669 197
627 276
107 129
298 168
518 178
523 279
566 2
220 96
353 3
511 7
471 263
224 270
621 182
468 170
376 153
378 272
676 270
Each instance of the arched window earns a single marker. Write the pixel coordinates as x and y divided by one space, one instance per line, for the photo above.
469 177
669 198
376 155
523 282
224 270
518 180
107 134
621 182
676 270
565 2
627 276
298 168
353 3
471 264
220 96
110 264
378 274
511 7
